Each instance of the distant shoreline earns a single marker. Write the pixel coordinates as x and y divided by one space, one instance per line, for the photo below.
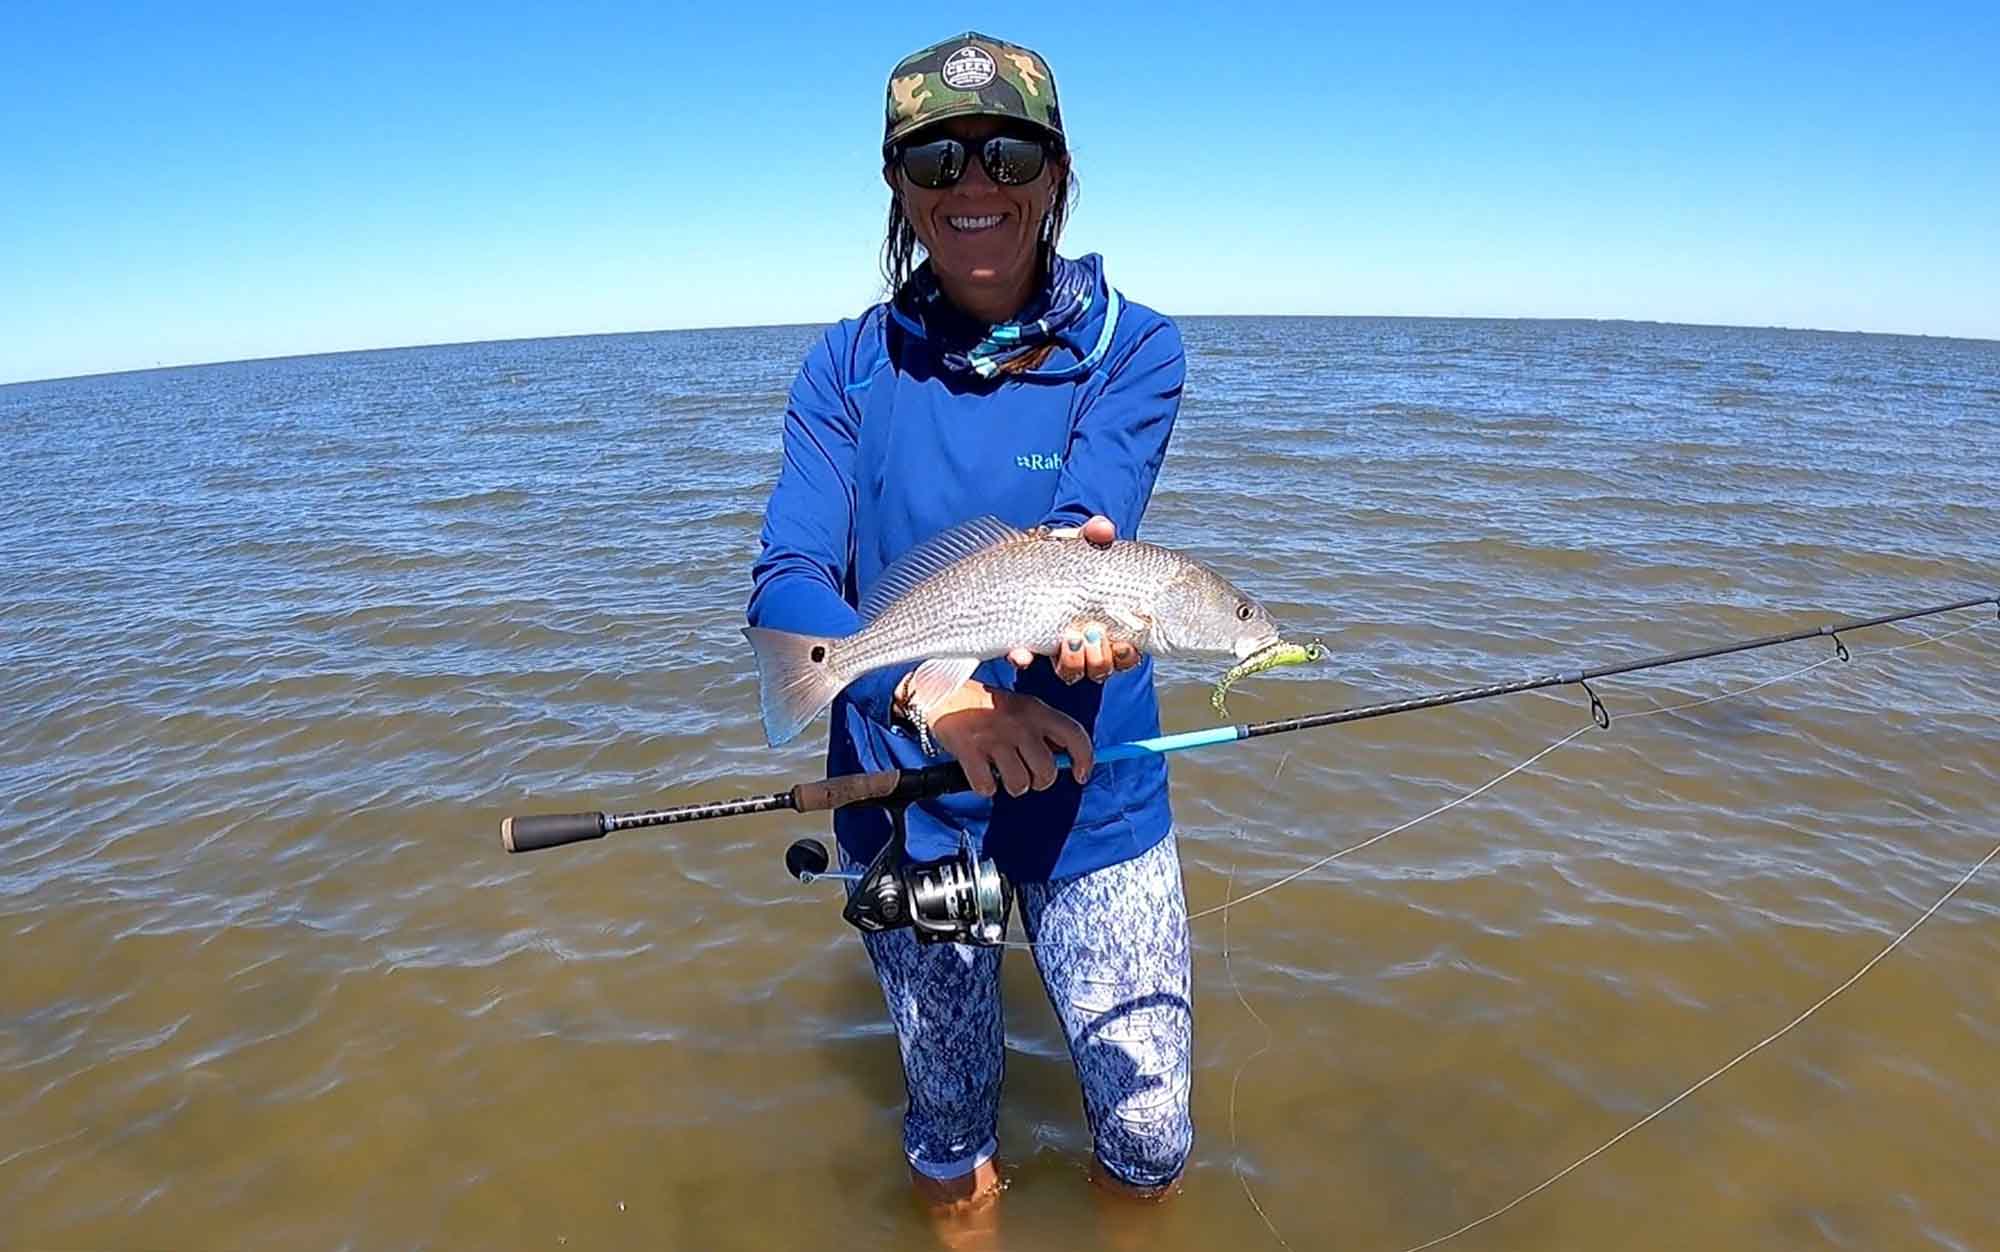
1183 317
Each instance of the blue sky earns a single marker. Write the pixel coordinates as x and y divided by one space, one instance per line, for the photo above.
201 182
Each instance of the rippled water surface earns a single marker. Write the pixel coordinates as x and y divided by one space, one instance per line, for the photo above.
283 640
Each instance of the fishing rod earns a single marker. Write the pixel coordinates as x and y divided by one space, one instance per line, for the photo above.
963 898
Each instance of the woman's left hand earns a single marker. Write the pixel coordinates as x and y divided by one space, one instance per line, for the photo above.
1085 652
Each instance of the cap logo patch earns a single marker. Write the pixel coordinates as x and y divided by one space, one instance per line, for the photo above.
967 69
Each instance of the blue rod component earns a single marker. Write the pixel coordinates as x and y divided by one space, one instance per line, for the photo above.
1164 744
1160 745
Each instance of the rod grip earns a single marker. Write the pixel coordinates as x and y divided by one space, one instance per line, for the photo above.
884 786
844 789
549 830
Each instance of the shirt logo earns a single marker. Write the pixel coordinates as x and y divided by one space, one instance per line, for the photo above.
967 69
1040 461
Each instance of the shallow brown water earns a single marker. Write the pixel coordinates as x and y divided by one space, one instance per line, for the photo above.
284 640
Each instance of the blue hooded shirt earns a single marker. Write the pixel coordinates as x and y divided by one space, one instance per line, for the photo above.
889 439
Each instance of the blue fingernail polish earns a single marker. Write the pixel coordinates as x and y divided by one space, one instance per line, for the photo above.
1076 645
1093 634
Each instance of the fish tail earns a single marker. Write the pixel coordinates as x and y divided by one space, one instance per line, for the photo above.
796 679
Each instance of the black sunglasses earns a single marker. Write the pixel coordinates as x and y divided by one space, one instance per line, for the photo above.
1010 160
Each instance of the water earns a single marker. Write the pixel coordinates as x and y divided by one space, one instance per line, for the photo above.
284 640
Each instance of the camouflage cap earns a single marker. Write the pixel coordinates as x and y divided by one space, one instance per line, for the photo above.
973 75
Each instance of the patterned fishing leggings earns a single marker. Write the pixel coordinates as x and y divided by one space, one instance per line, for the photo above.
1112 947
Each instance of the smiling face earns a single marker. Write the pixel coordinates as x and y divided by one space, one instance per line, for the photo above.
983 237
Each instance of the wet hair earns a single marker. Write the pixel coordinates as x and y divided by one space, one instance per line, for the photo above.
900 245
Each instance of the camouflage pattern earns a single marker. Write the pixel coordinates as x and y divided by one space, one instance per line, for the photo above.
973 75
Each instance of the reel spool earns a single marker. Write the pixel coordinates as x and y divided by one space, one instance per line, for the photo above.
960 899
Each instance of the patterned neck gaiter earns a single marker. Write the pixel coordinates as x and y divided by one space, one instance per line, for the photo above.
1065 301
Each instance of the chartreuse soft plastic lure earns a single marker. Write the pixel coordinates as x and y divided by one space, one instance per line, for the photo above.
1277 654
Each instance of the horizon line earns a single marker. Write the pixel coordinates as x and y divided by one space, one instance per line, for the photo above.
678 330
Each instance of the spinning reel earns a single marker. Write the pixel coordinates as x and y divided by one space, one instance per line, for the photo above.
962 898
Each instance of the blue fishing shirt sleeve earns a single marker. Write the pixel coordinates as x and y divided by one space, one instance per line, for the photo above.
803 580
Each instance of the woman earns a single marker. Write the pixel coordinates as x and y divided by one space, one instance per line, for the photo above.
999 379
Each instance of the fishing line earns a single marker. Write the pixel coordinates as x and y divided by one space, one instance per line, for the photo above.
1446 807
1565 741
1754 1048
1958 647
1231 900
1235 1153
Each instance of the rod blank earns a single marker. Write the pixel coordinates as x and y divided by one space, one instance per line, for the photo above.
897 787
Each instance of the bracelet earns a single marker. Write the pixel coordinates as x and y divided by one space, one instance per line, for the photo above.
915 717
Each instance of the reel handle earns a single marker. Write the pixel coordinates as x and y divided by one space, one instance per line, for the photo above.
806 859
550 830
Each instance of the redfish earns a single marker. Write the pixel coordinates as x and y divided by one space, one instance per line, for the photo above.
985 588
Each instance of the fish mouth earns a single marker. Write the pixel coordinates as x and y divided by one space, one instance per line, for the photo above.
1312 651
1247 648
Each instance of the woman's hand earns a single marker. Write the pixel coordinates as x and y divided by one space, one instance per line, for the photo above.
1083 652
991 730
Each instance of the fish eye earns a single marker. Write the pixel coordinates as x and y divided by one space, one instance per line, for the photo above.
1243 610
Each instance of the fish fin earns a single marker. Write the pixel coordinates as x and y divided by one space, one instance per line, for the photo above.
939 677
1063 532
1131 619
795 679
945 548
